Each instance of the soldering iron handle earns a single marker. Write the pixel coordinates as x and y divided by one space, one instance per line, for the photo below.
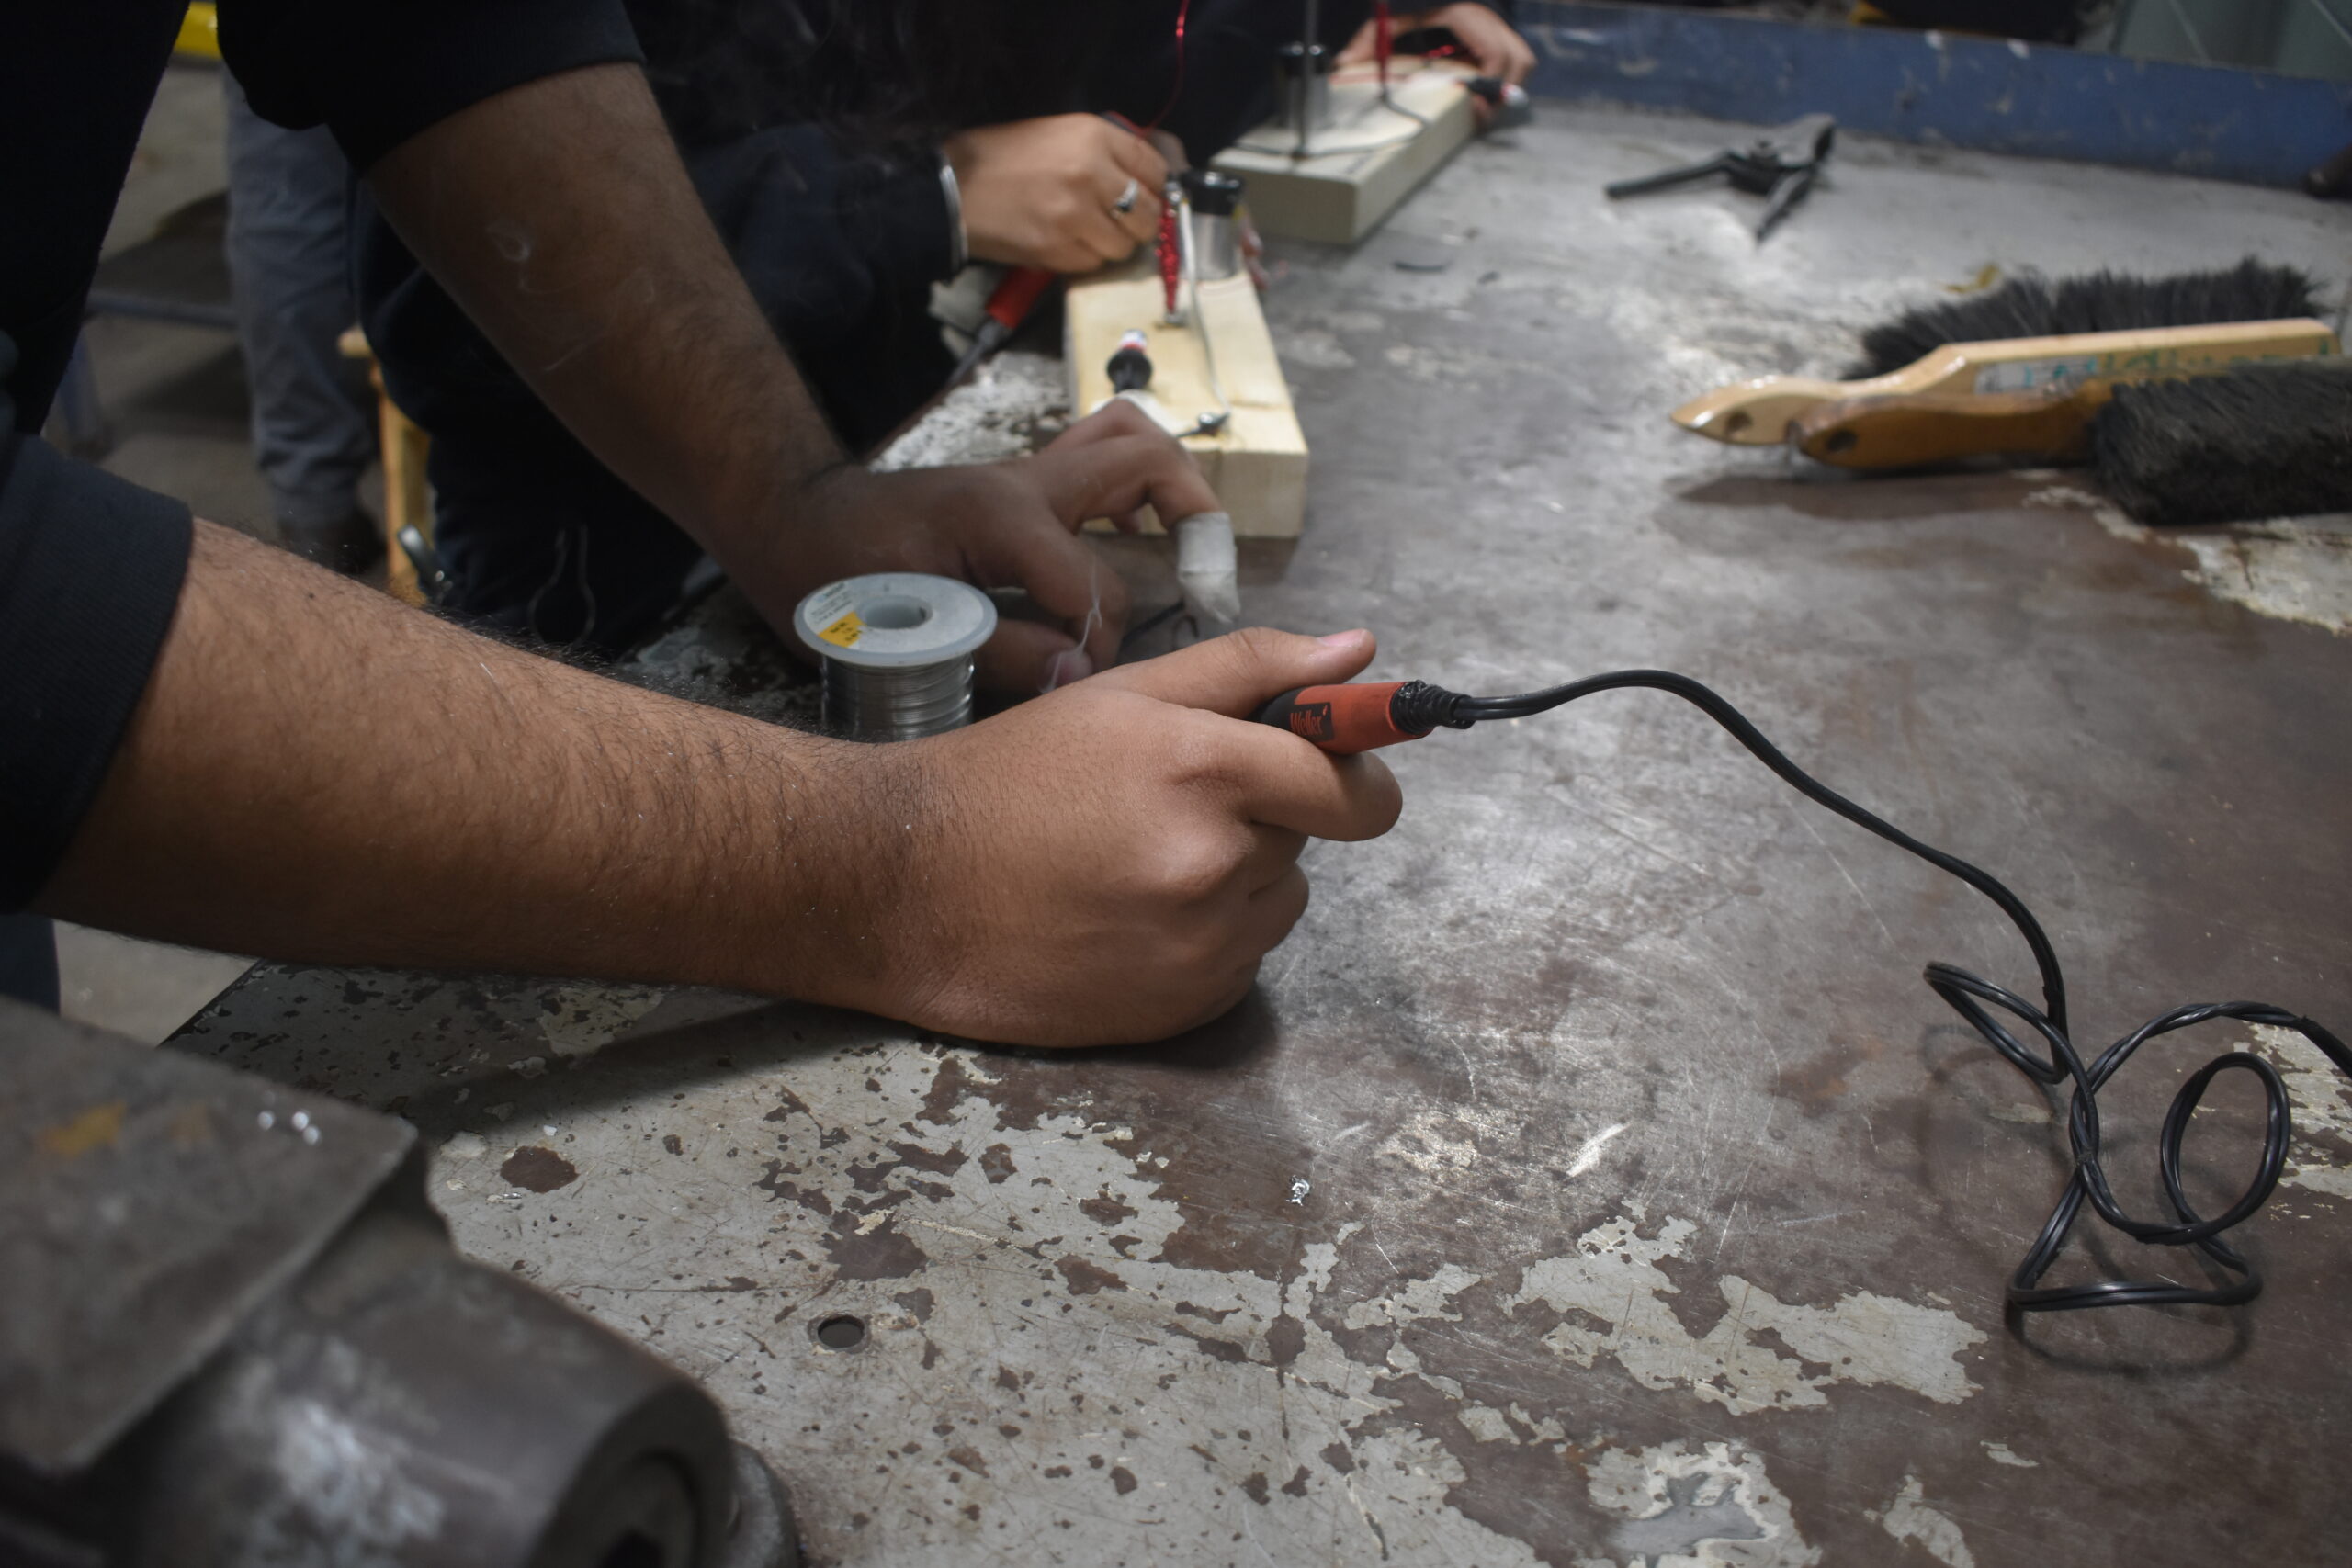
1342 720
1016 295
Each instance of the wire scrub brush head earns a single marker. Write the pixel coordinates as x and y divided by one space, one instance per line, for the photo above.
2264 441
2100 302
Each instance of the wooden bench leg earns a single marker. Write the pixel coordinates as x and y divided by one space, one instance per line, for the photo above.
408 499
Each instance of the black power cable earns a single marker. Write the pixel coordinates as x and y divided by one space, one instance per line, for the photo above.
1418 708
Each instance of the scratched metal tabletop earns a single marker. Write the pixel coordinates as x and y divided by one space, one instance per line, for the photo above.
1590 1178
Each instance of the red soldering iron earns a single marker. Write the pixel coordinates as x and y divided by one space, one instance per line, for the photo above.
1344 720
1016 295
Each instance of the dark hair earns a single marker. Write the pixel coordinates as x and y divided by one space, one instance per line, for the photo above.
885 72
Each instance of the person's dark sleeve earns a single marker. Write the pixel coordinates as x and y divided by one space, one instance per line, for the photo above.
378 73
838 248
895 215
839 245
90 573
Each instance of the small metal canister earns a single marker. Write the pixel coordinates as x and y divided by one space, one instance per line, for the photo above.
1214 199
1303 87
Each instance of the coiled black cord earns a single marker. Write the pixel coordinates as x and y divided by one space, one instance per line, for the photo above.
1424 708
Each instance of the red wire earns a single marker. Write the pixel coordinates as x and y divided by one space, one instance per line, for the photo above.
1184 10
1172 264
1380 42
1171 261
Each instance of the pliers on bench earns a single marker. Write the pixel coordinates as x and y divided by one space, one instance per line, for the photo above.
1779 165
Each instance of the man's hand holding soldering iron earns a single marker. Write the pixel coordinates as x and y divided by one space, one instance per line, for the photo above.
1123 853
319 774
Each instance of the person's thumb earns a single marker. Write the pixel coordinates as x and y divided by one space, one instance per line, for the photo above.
1240 673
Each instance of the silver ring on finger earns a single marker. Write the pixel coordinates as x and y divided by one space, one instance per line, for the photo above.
1129 195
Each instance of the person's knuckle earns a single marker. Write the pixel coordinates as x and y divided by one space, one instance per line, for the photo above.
1256 645
1207 948
1196 756
1214 1000
1287 900
1122 421
1140 456
1192 868
1297 891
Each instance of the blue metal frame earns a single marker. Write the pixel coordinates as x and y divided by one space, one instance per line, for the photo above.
1940 88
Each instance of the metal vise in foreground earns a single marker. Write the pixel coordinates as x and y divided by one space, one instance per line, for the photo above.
234 1332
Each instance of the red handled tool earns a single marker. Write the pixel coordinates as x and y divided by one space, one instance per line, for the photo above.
1171 261
1170 251
1017 293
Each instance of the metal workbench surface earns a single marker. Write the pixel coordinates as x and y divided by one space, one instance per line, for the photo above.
1590 1178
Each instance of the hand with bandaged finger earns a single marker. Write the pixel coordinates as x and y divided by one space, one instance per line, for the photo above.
1008 525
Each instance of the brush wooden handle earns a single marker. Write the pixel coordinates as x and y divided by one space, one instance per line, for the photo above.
1896 430
1759 413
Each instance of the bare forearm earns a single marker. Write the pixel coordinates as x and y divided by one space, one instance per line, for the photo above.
318 774
559 215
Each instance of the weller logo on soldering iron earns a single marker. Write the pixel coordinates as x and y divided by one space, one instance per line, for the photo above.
1311 721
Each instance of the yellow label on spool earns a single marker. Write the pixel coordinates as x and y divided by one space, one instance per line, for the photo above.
844 632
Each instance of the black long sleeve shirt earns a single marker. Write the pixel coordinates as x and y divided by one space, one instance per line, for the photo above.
91 567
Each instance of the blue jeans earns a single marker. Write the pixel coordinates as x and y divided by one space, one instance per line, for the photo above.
290 267
27 960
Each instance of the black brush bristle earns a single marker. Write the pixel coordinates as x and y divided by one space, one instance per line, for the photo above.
2102 302
2266 441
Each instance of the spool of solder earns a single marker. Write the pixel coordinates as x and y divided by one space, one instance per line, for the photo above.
898 650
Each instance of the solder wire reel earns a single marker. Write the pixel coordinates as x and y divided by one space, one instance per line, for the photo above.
897 649
896 646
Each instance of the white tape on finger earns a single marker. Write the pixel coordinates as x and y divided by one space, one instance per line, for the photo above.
1206 566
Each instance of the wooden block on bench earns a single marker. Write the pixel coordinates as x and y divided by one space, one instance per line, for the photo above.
1339 197
1256 463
